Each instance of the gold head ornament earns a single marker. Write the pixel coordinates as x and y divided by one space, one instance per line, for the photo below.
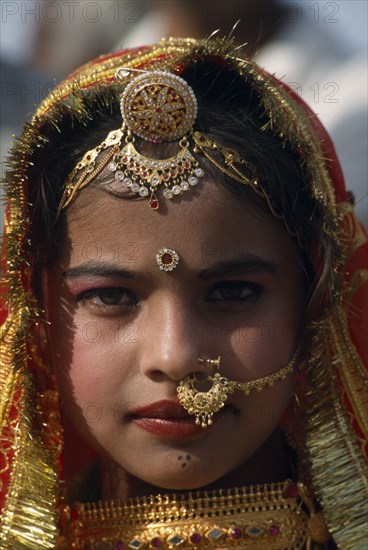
157 107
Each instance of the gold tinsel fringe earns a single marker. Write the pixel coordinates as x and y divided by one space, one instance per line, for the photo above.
333 450
29 519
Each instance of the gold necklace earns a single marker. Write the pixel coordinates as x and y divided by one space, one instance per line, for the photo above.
268 517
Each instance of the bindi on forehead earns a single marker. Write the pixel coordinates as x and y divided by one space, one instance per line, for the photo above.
213 227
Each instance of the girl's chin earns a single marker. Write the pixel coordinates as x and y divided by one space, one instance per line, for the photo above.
180 483
171 481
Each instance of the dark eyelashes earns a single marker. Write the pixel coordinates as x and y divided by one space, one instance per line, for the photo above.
228 292
234 291
108 297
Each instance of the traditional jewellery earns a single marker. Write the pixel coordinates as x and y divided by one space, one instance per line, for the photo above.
203 404
212 362
266 517
167 259
158 107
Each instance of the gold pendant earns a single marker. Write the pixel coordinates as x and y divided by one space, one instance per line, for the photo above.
203 404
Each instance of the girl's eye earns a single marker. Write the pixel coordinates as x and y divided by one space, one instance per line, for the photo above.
234 291
108 298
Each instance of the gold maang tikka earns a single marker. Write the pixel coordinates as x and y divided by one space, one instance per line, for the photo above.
204 404
158 107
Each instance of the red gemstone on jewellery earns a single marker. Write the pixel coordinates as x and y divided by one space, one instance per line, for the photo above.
274 530
120 545
158 110
291 490
180 169
236 533
195 538
73 514
154 204
156 542
166 259
165 176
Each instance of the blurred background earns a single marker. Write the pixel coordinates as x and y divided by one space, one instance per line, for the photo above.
317 47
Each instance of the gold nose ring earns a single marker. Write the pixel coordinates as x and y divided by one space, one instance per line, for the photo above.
212 362
204 404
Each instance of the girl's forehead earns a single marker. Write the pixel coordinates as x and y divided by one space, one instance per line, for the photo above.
212 223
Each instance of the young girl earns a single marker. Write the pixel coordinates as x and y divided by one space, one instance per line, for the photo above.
181 347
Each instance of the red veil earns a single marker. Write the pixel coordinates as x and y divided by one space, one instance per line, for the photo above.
333 440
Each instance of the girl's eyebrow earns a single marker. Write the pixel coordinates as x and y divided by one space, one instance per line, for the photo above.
224 267
93 269
251 263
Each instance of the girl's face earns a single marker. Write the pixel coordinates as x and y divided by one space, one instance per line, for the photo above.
123 332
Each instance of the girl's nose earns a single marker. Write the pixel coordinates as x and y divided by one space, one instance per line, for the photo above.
171 340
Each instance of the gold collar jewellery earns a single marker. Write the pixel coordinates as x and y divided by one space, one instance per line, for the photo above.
263 517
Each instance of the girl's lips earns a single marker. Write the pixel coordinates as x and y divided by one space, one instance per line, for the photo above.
168 419
169 428
167 408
